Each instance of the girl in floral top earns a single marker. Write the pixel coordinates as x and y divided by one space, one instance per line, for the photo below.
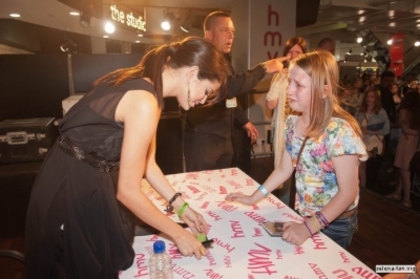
330 146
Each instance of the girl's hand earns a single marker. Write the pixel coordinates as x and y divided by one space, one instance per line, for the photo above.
295 233
195 221
239 197
188 245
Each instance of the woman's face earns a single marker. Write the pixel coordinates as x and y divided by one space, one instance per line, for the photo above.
394 89
370 98
199 90
295 51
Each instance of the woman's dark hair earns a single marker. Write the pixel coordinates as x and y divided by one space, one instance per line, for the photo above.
411 102
192 51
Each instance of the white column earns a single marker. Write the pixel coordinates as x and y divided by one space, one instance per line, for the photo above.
262 27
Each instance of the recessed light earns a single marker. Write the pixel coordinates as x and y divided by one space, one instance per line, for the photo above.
105 36
74 13
109 28
137 42
14 15
140 35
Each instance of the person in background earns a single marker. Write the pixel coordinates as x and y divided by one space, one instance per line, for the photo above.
387 79
74 227
395 129
374 123
277 101
208 131
324 145
409 121
327 44
349 98
413 83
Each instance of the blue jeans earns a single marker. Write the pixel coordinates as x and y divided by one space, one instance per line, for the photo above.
342 230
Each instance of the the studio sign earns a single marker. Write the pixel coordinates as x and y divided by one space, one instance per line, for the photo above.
127 18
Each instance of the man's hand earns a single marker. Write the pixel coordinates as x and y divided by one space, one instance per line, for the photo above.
251 131
275 65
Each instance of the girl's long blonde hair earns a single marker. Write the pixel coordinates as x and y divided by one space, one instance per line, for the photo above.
323 70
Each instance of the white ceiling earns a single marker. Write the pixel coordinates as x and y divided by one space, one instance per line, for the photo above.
336 18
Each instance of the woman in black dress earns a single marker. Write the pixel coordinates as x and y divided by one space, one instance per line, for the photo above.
74 227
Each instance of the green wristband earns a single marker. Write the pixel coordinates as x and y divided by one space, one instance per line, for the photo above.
182 209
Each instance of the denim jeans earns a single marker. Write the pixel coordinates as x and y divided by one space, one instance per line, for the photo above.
342 230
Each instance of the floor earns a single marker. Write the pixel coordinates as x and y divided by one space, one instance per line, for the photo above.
387 234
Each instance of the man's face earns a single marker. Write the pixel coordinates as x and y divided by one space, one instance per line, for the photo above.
387 82
329 47
221 34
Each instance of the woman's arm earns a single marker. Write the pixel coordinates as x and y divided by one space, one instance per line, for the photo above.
140 114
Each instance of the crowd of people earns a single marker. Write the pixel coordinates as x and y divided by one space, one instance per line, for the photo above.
75 222
388 112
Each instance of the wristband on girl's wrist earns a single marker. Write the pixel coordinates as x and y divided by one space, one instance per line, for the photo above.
309 230
170 207
182 209
263 190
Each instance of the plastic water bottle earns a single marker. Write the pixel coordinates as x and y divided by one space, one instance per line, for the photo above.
160 264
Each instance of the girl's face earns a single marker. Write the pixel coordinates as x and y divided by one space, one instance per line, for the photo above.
295 51
299 90
370 98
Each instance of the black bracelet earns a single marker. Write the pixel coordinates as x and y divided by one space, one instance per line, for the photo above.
169 208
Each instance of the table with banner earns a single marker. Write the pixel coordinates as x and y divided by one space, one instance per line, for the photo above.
242 248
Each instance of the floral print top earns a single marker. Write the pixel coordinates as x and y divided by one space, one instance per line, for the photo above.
316 182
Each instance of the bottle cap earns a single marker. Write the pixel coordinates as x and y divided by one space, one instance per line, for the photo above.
159 247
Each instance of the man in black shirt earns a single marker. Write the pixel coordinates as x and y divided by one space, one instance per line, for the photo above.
208 132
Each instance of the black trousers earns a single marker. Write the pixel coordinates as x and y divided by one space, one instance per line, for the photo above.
207 152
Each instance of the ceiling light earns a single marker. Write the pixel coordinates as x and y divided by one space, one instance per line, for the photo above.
389 42
109 27
14 15
105 36
140 35
74 13
168 17
417 42
359 40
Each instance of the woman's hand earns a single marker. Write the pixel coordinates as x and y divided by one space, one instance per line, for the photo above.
295 233
239 197
188 245
195 221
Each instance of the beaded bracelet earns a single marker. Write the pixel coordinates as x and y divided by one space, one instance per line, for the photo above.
170 207
182 209
309 230
263 190
322 219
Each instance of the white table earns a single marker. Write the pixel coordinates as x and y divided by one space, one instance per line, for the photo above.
242 248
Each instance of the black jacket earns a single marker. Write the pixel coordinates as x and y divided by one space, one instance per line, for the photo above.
217 119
